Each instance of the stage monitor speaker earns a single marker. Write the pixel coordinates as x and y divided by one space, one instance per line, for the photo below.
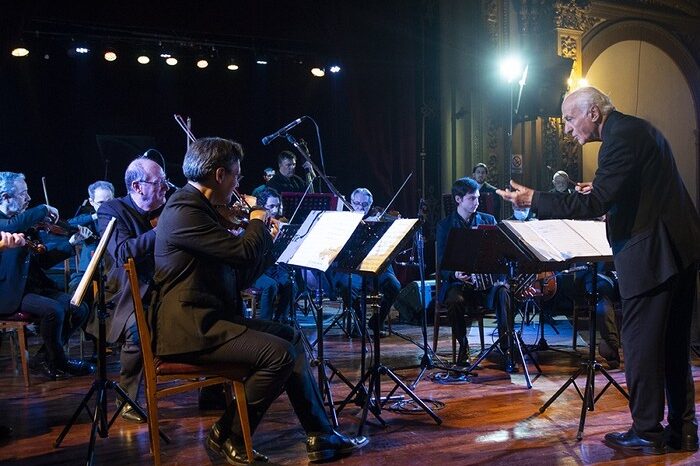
544 89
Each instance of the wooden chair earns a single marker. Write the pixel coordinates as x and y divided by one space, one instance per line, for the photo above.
15 325
179 376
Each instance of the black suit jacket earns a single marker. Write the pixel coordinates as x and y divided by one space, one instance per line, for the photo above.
652 224
19 268
133 237
282 184
196 261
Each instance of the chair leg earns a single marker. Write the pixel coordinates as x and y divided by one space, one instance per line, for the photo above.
242 405
21 336
153 427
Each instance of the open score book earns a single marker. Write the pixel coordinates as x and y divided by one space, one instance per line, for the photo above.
561 240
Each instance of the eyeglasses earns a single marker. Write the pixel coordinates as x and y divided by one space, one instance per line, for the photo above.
163 182
364 205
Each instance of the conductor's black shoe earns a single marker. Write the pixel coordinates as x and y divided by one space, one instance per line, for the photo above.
328 447
76 367
232 451
676 440
631 443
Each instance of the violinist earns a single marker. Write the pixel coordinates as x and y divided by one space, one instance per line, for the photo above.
285 181
26 286
361 200
11 240
200 270
276 280
134 236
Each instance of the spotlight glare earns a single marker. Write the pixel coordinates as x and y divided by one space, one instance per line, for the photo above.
511 68
583 82
143 59
82 50
335 69
232 66
20 52
110 55
202 63
318 72
261 62
165 55
172 61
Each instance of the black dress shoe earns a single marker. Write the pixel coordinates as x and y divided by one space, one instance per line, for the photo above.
630 442
233 452
327 447
677 441
49 371
130 414
76 367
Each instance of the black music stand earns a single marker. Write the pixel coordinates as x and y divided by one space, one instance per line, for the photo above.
95 271
590 365
363 255
315 249
492 250
306 202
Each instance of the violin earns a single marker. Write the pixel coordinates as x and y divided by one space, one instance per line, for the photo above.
378 214
59 228
232 217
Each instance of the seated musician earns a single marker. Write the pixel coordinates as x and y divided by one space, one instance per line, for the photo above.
276 281
490 202
98 193
268 173
26 286
561 183
285 181
462 291
134 236
200 268
362 200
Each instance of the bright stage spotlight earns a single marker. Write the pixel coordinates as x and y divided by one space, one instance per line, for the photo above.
512 68
202 63
232 65
335 69
143 59
318 72
20 52
110 55
171 61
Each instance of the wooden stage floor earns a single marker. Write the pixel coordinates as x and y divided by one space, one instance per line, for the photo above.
492 420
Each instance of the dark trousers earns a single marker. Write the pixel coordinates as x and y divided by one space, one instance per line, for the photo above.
58 319
276 356
130 359
656 342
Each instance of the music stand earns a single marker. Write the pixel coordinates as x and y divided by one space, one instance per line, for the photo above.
95 271
590 365
491 250
368 252
301 204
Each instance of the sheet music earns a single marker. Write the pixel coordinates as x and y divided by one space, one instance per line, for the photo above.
561 240
319 244
380 252
91 268
594 232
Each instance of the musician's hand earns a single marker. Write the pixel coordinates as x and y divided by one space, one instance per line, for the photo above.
11 240
274 227
519 195
584 187
259 214
82 234
52 215
463 277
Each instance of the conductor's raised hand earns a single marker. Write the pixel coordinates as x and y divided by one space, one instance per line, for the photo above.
584 187
519 195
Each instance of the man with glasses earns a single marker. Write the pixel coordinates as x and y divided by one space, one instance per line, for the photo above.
361 200
134 236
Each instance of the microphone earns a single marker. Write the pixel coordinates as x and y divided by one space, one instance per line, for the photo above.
282 131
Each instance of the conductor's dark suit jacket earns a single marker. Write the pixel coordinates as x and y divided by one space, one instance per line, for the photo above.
21 270
196 261
652 224
133 237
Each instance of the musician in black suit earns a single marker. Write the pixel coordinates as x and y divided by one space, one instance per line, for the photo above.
654 230
461 292
134 236
200 269
24 285
285 181
490 202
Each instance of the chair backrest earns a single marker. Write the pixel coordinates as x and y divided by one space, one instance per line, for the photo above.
141 322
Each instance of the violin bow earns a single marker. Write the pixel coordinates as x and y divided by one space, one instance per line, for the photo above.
397 193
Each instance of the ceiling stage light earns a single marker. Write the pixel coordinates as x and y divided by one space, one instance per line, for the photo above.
335 69
20 52
143 59
172 61
110 55
232 65
202 63
318 72
512 68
